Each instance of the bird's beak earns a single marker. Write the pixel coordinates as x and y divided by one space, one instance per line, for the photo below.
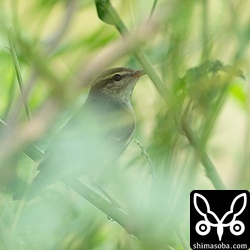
138 73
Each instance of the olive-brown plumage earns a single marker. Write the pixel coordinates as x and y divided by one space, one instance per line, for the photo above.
96 135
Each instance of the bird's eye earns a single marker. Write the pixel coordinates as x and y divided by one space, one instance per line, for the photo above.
117 77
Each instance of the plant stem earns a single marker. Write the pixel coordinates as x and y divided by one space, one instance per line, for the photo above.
211 171
18 73
171 101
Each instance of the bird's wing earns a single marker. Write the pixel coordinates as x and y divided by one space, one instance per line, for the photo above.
95 136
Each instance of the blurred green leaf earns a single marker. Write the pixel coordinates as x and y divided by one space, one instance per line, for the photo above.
181 34
240 94
103 10
204 83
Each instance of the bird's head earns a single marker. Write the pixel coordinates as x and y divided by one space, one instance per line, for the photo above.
117 83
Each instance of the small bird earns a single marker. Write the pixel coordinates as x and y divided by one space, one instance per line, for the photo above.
95 136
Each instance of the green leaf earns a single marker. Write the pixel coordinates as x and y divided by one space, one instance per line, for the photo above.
103 10
239 93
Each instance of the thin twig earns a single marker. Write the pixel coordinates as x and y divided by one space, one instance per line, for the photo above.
113 212
18 73
147 157
153 9
205 31
87 192
171 101
32 150
64 24
210 120
211 171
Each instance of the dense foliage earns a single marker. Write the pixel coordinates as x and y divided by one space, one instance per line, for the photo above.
192 109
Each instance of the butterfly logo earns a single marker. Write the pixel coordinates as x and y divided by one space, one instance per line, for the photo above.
203 227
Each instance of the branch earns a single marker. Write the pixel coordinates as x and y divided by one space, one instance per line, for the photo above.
195 141
86 191
97 199
18 74
111 17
